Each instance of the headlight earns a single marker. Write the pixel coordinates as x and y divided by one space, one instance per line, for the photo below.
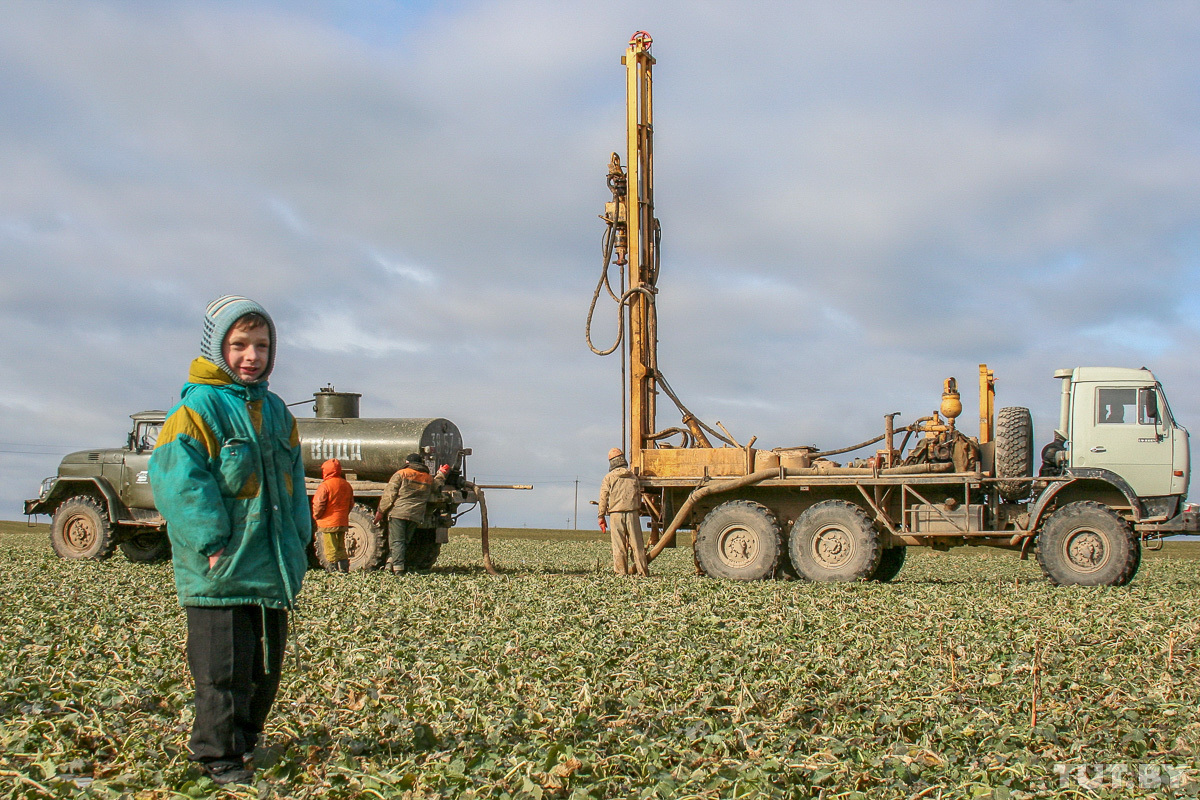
47 485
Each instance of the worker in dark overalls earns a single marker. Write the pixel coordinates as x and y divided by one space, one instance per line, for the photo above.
403 504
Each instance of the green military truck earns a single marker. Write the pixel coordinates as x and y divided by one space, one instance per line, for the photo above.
101 499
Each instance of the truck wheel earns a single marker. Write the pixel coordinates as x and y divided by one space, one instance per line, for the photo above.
891 560
80 529
739 540
366 542
423 550
835 541
1014 452
147 547
1087 544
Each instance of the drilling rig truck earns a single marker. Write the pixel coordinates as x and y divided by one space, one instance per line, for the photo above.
1113 479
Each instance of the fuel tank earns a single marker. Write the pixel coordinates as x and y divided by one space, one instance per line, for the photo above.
372 449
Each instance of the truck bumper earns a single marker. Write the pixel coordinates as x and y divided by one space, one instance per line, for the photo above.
1187 521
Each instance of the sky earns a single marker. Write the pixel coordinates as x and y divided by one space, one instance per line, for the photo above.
858 200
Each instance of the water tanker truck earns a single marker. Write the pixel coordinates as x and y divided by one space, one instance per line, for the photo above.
1114 477
101 499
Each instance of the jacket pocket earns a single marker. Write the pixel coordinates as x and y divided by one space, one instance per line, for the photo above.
237 469
237 534
217 570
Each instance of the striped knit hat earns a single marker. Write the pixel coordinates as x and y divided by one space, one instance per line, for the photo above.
219 318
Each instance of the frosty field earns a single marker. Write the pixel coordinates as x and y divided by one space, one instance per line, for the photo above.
967 677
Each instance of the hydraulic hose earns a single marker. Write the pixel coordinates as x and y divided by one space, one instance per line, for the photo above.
699 493
849 449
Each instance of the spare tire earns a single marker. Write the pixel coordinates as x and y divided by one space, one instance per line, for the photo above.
1014 452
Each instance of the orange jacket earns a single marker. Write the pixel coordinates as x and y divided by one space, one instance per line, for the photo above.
334 497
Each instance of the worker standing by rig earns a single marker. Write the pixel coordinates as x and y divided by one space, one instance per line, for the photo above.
403 504
621 500
331 509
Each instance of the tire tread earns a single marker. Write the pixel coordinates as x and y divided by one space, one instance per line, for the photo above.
1014 451
108 543
1132 561
737 507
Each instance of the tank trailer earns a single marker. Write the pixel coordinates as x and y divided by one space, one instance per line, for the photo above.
102 500
1114 477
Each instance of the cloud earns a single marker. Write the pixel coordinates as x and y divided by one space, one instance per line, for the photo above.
411 272
328 332
857 201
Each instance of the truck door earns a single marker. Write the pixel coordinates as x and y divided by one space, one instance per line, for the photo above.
135 478
1122 428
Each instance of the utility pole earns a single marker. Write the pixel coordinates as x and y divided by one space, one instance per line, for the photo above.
576 503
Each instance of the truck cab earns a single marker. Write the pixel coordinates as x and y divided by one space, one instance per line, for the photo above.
1116 424
101 499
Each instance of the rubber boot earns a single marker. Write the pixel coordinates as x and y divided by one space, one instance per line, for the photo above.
343 565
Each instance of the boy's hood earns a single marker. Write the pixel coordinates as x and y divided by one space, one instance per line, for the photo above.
331 469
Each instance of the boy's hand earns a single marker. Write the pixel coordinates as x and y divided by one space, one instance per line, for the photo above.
212 560
603 525
378 517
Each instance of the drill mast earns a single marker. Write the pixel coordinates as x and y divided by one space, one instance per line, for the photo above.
643 244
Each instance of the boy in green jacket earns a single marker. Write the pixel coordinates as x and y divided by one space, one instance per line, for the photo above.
228 478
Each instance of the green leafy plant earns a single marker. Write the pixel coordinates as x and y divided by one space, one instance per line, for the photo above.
967 677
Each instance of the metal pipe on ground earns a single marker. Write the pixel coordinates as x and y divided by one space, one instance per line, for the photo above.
483 529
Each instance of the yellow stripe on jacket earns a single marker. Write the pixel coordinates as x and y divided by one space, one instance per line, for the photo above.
186 422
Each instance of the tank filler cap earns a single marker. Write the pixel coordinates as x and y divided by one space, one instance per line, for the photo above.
332 404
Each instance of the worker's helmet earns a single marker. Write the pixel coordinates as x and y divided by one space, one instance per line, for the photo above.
414 458
616 451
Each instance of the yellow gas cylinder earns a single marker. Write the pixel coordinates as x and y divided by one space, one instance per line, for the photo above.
951 403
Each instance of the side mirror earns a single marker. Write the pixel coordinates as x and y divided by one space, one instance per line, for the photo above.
1150 405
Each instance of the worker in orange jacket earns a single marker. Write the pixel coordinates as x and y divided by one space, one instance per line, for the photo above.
331 509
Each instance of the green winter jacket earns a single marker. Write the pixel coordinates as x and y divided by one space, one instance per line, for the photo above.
227 475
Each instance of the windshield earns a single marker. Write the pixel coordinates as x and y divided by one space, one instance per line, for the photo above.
147 434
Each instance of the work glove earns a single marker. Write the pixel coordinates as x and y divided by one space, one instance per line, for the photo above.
603 525
378 517
443 469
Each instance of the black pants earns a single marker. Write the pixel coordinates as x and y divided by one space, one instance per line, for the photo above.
234 687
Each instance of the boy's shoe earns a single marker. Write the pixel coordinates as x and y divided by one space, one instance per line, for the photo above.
226 772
